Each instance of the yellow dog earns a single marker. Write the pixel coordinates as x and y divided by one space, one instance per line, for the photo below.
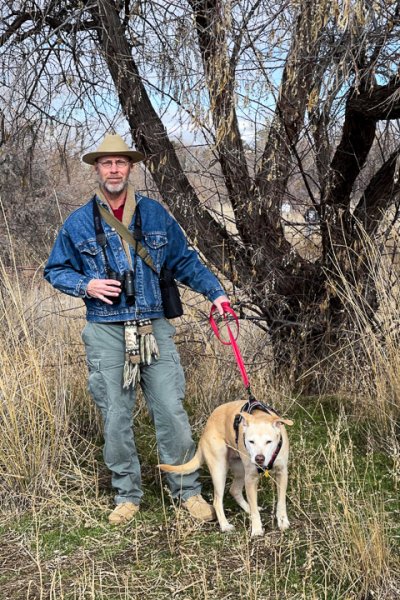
245 443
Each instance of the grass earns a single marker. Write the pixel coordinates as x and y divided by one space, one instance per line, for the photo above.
55 542
342 503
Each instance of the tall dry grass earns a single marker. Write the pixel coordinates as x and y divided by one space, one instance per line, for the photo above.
43 399
369 359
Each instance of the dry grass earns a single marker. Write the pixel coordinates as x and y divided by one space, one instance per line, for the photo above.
369 360
55 495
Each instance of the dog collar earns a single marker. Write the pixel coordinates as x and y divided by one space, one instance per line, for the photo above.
273 458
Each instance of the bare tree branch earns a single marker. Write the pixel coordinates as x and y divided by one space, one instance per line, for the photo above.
272 176
220 76
381 193
357 137
380 102
14 27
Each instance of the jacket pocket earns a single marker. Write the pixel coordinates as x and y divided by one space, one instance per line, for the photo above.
93 259
156 244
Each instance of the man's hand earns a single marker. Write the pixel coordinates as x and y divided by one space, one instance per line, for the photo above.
218 303
103 289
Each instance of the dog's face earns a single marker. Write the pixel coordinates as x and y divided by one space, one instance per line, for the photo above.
261 436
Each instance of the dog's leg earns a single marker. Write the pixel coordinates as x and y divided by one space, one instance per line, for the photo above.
251 481
281 478
217 462
236 489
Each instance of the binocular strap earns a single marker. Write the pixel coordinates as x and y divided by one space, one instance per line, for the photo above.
140 349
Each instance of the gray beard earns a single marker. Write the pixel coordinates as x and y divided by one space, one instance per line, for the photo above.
116 188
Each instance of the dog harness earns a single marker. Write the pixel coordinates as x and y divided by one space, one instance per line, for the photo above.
249 406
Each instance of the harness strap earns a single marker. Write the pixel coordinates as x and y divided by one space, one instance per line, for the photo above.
253 404
236 422
275 454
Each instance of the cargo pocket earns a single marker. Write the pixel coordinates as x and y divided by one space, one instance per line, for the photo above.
97 385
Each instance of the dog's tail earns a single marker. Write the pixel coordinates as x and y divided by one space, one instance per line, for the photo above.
188 467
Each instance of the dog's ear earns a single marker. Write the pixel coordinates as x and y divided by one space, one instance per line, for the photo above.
279 420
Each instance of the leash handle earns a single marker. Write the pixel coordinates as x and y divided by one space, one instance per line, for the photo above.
226 307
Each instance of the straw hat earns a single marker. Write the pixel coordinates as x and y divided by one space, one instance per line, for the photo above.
112 145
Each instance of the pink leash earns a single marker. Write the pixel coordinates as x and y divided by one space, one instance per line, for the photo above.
228 310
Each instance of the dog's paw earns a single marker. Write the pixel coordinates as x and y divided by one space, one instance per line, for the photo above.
228 528
283 522
257 532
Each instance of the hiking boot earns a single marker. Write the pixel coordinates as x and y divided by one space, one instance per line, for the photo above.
199 509
123 513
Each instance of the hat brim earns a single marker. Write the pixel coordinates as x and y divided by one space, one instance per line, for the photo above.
133 155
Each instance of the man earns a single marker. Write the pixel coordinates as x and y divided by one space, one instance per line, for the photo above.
126 335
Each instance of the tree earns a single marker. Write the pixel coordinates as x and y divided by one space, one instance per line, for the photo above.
320 77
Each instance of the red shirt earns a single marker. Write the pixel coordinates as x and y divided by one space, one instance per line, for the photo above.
118 212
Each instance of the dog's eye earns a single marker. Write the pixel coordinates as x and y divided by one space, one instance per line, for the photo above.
251 441
268 442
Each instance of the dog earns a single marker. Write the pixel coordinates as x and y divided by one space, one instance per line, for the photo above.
248 443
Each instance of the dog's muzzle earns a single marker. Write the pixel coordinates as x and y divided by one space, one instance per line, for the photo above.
260 458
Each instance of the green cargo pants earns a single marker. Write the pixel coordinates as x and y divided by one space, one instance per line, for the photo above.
163 385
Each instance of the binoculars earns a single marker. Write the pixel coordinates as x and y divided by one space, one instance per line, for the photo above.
127 280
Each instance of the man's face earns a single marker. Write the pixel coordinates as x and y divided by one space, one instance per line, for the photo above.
113 173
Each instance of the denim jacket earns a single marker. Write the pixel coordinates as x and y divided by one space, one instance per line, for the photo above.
76 258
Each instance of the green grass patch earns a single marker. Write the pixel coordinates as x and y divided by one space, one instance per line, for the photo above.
342 503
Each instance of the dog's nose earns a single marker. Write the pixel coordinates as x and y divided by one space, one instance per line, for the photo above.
260 459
